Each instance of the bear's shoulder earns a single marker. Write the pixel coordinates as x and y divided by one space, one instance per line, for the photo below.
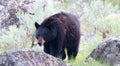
52 19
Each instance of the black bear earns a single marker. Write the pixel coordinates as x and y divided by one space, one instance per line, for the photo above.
59 32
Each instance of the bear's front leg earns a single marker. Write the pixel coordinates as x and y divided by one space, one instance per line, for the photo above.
47 48
52 49
55 49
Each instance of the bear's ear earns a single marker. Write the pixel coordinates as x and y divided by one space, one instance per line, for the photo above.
37 25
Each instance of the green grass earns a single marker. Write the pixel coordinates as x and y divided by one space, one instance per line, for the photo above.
85 49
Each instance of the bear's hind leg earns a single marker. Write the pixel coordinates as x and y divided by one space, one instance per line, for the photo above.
69 53
75 52
72 52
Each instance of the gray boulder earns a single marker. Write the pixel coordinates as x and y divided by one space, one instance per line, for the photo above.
108 51
29 58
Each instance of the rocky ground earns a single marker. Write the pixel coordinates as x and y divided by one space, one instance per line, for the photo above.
8 10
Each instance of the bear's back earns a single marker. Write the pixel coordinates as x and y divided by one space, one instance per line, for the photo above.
63 17
72 20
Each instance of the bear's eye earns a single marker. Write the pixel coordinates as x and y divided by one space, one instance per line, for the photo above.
37 34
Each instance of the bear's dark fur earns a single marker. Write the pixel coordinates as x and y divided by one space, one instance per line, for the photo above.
59 32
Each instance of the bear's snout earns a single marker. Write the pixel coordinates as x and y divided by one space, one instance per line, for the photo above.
41 41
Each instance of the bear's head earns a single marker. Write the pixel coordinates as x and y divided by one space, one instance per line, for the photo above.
43 34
